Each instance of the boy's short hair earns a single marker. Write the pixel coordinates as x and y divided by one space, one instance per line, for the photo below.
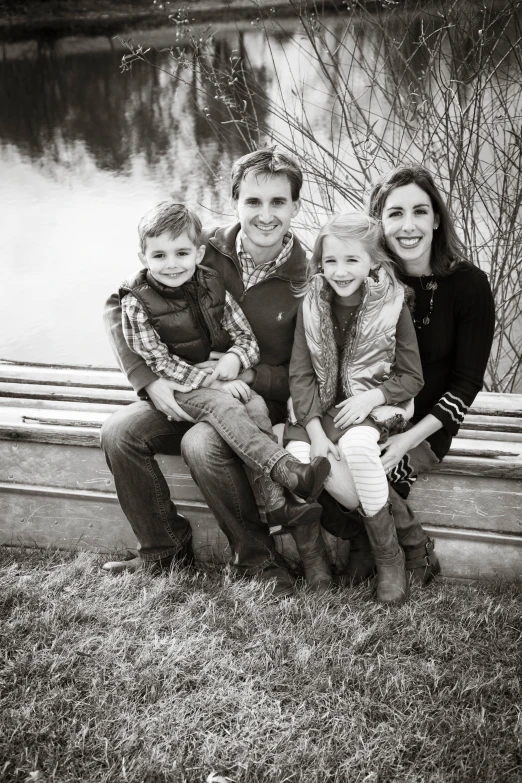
267 163
170 217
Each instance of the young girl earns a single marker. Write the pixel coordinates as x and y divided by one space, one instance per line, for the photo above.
354 370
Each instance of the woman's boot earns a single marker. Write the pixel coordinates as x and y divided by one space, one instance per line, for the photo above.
422 563
285 511
348 525
392 583
312 551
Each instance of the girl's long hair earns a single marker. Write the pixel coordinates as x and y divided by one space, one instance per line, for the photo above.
346 226
447 251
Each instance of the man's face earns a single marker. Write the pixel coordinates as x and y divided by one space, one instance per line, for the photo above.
265 208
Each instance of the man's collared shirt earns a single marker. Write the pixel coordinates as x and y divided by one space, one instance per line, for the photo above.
255 273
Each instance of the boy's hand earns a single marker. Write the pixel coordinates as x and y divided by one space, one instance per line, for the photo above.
161 394
322 446
227 368
237 389
211 362
355 409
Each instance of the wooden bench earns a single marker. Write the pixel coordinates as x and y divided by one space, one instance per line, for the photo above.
56 489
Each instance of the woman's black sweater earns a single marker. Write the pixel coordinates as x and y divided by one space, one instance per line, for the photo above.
454 347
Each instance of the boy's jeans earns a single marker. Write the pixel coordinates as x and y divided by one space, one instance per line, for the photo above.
132 437
246 427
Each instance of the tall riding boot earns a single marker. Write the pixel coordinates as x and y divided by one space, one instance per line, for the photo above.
392 583
421 561
312 551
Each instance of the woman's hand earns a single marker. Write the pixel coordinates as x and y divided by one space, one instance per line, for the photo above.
394 450
356 409
322 446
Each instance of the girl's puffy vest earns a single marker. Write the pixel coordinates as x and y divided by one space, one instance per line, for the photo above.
368 357
187 319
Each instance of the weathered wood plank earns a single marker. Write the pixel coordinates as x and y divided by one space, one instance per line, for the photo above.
97 524
66 393
63 405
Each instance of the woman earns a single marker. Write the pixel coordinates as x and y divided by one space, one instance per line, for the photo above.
453 313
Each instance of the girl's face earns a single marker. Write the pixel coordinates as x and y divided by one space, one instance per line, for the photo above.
346 264
408 222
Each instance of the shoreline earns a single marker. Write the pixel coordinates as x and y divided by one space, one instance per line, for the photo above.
108 17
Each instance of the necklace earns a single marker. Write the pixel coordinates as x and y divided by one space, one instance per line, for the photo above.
430 286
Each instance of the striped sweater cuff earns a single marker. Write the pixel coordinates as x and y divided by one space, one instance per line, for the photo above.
450 410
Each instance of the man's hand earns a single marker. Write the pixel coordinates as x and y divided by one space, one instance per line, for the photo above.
321 446
355 409
161 394
237 389
227 368
394 450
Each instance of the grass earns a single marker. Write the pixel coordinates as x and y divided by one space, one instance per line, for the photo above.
197 677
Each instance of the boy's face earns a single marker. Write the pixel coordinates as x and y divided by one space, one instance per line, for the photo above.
265 208
171 261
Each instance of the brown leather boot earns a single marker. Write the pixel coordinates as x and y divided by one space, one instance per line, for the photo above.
421 561
392 583
302 478
312 551
283 511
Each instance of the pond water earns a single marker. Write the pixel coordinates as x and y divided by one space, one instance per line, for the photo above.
86 149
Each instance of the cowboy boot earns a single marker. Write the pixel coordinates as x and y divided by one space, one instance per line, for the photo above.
392 583
282 511
349 525
421 561
304 479
312 551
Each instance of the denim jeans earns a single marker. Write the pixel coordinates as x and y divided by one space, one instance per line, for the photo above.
132 437
245 427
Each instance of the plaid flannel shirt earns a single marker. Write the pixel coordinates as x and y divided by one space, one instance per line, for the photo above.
252 273
143 339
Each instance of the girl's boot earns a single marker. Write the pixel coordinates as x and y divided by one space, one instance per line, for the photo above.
422 563
312 551
392 583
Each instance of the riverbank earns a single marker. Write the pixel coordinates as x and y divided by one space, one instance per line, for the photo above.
56 18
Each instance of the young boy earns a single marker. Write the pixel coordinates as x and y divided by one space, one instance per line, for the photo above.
176 311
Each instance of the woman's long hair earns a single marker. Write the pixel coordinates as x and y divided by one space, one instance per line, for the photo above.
447 251
346 226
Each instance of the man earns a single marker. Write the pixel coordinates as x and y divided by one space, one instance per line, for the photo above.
261 262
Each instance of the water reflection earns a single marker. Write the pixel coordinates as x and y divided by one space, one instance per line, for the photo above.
86 149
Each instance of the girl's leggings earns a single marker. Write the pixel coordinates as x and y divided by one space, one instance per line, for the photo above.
358 479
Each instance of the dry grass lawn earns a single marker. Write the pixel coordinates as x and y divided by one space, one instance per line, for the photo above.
197 677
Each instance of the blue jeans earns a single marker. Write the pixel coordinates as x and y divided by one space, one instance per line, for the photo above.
246 427
132 437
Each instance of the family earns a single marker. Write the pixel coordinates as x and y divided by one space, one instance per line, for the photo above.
370 352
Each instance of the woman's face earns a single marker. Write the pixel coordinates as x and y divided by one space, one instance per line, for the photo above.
408 221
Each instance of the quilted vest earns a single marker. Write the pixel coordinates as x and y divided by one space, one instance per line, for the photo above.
369 353
188 318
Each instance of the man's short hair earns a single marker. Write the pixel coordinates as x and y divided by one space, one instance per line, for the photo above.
170 217
267 163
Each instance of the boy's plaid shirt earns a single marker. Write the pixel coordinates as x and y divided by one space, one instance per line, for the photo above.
143 339
252 273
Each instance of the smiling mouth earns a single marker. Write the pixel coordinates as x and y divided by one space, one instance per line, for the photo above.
266 229
343 283
172 274
408 241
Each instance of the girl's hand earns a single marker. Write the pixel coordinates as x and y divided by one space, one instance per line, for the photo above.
394 450
323 446
355 409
